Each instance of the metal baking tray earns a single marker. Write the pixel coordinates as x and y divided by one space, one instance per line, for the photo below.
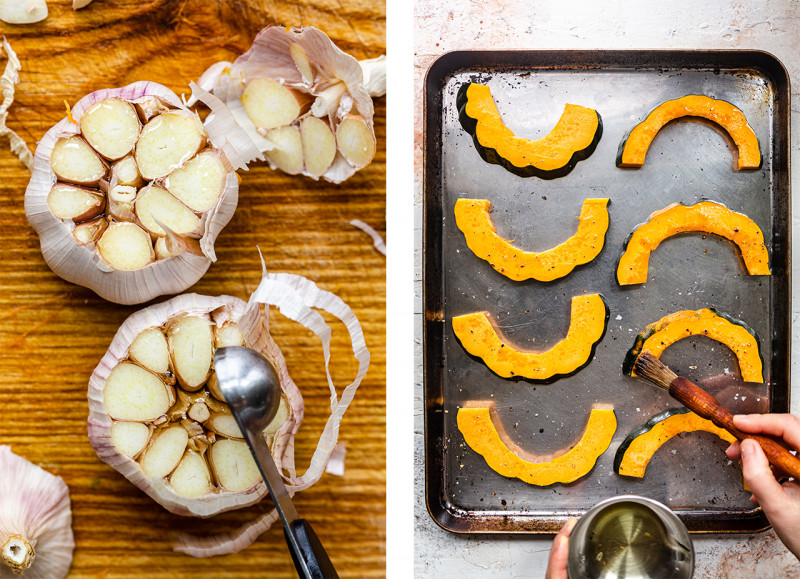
687 162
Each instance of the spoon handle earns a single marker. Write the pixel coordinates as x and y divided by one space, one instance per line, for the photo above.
310 550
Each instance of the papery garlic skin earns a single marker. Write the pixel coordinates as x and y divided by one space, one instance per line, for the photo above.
306 63
36 538
80 258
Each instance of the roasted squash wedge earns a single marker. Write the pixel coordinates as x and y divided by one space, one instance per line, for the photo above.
735 334
573 139
480 337
482 436
703 217
472 218
635 452
633 149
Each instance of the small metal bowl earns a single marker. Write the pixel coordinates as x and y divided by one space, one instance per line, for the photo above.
630 537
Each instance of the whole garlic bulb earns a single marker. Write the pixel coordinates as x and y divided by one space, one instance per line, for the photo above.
36 539
304 103
130 191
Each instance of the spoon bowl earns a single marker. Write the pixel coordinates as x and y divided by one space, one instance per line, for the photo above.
249 384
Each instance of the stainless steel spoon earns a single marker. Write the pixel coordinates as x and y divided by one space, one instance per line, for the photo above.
251 388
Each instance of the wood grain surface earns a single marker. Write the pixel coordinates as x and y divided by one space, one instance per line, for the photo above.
52 333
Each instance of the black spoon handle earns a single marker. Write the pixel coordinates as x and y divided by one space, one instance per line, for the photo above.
309 550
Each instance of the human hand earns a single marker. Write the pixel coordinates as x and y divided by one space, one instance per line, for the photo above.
781 502
559 551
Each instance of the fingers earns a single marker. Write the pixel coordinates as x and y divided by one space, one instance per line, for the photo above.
758 476
733 451
557 563
786 426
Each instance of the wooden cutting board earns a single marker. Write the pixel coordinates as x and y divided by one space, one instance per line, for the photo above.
53 333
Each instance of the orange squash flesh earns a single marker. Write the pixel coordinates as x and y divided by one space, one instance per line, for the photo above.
480 337
573 138
483 437
702 217
473 219
638 448
735 334
731 119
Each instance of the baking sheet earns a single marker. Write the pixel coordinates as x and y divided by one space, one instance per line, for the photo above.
687 162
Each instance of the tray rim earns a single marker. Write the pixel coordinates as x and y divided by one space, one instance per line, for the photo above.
697 521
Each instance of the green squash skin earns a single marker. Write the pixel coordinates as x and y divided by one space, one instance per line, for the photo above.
621 147
630 236
555 377
492 156
644 429
633 353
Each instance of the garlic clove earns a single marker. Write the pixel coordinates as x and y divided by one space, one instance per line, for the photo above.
356 141
270 104
130 438
75 203
281 416
225 424
121 199
155 207
167 141
199 411
126 246
126 172
23 11
191 345
165 452
229 335
191 479
132 393
319 146
88 232
199 183
150 350
288 152
111 126
300 59
73 160
233 465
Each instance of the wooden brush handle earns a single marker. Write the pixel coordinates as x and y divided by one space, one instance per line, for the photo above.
705 405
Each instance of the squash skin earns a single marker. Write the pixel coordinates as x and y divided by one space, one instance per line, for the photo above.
635 452
738 336
589 320
473 219
482 436
633 148
573 139
703 217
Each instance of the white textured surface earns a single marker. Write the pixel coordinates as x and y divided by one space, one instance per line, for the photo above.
771 25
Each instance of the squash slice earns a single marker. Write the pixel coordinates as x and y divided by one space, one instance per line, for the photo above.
472 218
635 452
703 217
633 149
480 337
573 139
482 436
735 334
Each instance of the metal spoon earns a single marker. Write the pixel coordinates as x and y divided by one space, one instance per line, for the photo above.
251 388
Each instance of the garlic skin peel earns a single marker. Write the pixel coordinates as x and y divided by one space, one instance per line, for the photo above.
79 257
36 539
327 83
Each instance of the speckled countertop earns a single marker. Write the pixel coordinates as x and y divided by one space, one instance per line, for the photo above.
771 25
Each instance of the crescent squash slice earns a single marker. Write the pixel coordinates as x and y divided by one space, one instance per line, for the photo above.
480 337
482 436
635 452
735 334
573 139
472 218
704 217
633 149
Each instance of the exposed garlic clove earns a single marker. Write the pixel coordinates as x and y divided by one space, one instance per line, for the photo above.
126 172
199 183
88 232
73 160
356 141
23 11
213 387
126 246
134 394
191 343
270 104
281 416
36 538
167 141
111 126
233 465
121 203
191 479
75 203
302 63
229 335
156 207
130 438
199 411
288 152
163 252
319 146
165 452
150 350
225 424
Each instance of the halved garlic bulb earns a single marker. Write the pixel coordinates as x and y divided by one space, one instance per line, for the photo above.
128 168
156 414
304 102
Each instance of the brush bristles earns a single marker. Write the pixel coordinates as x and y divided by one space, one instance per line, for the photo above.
649 367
